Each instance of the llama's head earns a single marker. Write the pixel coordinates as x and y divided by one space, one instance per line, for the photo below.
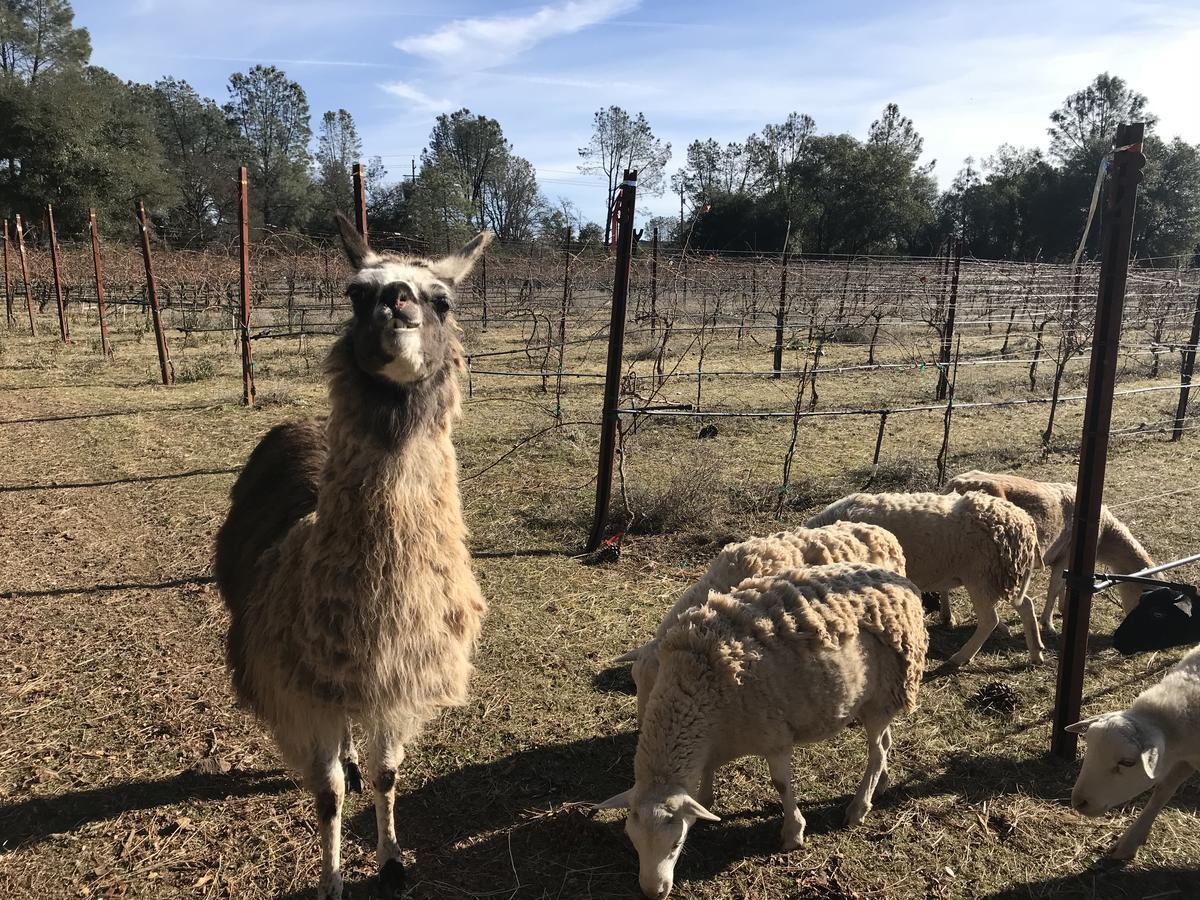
403 329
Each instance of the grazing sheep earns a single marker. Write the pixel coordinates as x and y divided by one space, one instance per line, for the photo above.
984 544
343 560
770 555
1051 504
1154 742
782 660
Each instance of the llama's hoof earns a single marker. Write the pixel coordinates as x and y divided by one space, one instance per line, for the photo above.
353 774
391 880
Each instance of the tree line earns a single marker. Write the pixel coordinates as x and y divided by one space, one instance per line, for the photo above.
80 137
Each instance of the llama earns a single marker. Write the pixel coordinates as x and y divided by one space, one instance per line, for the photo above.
343 560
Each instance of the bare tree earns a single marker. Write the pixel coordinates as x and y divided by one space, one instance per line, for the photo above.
620 142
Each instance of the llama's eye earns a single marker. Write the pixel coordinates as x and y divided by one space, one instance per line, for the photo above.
441 305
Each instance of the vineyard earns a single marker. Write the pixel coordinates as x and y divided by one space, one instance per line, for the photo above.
753 390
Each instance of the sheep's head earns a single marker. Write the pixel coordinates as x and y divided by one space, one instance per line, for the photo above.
1123 758
403 330
658 823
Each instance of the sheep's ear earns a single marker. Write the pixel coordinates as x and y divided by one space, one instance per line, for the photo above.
1150 743
356 248
631 656
1082 727
457 266
693 807
617 801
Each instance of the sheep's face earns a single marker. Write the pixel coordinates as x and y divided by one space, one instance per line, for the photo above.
1122 759
402 329
658 823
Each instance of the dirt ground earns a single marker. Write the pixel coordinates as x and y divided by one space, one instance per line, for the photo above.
126 771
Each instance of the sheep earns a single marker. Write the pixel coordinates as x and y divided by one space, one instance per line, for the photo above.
782 660
840 542
1052 506
985 544
343 560
1156 741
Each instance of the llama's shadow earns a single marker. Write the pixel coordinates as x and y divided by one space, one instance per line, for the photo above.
32 821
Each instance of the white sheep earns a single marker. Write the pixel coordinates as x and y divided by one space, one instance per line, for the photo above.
1051 504
982 543
769 555
1156 742
782 660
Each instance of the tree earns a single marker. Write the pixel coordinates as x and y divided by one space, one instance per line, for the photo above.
338 149
777 149
201 149
1167 224
271 114
1083 127
511 200
467 150
619 143
38 37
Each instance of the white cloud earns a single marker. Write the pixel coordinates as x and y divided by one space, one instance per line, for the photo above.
496 40
416 97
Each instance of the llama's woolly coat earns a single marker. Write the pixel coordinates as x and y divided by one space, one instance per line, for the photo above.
370 607
781 660
950 540
771 555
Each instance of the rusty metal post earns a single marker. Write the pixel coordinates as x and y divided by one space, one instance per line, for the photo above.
562 326
160 337
623 207
1125 172
25 277
244 246
360 201
10 319
64 329
948 328
105 346
780 315
654 283
1187 364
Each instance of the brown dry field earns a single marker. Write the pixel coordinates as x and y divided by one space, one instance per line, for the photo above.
126 771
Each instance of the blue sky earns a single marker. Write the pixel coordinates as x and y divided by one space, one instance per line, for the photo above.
970 75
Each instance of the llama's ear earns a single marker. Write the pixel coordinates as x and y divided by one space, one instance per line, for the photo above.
457 266
356 248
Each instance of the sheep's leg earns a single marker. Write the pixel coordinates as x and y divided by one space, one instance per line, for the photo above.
327 782
705 795
947 611
387 752
879 740
985 611
1135 835
353 774
885 740
1055 592
780 765
1033 639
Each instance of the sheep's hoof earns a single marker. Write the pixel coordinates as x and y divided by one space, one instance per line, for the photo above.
792 841
353 774
330 887
391 880
1124 850
1002 629
856 812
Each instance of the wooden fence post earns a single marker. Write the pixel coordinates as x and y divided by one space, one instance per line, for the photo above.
244 244
1187 364
624 207
1117 237
562 326
948 328
9 318
64 329
654 283
98 267
160 337
780 315
483 289
25 278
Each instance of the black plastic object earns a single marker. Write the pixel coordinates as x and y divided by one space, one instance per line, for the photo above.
1167 616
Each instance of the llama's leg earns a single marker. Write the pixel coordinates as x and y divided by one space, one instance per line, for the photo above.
780 765
327 783
386 754
879 739
350 761
985 611
1135 835
1055 590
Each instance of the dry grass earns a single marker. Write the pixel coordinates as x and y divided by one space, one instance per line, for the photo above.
125 771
